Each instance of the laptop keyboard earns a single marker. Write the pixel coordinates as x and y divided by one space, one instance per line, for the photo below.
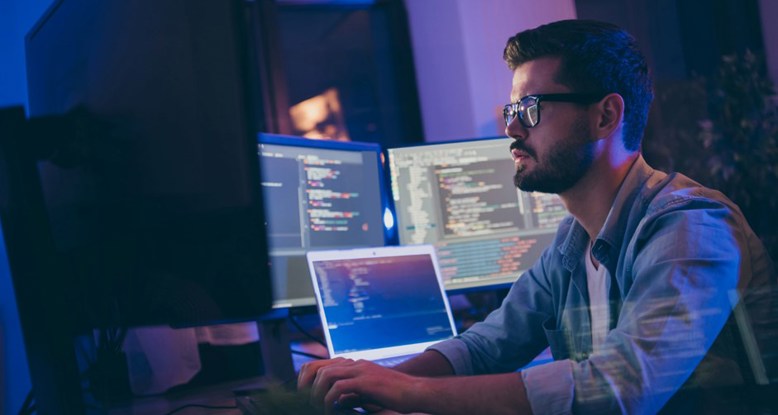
393 361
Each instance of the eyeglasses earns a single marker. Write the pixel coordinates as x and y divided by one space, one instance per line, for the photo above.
528 108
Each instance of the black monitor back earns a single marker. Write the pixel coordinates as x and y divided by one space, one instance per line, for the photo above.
155 207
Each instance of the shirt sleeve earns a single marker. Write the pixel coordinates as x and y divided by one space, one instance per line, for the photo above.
512 335
455 351
550 387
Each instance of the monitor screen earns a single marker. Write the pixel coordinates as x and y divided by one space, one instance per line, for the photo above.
319 194
460 197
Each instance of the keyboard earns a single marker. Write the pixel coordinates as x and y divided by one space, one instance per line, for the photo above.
393 361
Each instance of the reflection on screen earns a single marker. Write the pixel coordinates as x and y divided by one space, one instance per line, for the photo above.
461 198
317 197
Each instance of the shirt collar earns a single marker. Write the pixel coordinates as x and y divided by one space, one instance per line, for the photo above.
612 232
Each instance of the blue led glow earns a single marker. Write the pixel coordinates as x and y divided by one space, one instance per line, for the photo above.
388 219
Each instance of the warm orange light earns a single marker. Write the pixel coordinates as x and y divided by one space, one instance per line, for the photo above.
320 117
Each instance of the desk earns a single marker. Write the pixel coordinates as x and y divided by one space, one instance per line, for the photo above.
213 395
223 394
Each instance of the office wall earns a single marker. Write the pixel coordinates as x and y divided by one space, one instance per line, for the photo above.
457 50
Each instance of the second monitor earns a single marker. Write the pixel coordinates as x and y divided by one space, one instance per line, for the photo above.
460 197
318 195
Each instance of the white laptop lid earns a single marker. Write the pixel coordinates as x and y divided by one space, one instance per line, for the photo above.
381 302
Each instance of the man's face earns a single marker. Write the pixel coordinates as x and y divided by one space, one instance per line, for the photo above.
553 155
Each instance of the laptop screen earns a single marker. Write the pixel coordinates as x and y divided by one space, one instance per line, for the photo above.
380 302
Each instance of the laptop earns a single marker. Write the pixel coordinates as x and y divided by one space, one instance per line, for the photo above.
384 304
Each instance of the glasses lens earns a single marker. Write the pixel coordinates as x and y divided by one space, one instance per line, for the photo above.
529 111
509 113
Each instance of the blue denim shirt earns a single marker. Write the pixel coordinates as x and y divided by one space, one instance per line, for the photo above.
679 256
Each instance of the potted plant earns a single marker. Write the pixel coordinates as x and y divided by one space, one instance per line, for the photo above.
723 132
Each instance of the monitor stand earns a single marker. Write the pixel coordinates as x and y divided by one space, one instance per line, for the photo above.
274 342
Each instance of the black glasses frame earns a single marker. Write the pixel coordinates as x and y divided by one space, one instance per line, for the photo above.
531 103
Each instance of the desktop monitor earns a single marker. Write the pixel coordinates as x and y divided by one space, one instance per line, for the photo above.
155 210
460 197
319 194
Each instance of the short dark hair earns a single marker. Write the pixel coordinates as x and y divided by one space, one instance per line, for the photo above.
595 57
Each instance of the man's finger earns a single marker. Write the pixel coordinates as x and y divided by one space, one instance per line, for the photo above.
326 376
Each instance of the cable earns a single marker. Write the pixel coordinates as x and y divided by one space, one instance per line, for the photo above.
196 405
305 332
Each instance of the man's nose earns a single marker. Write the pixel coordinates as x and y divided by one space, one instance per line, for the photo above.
515 129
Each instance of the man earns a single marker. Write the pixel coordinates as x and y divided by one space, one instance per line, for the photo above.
640 279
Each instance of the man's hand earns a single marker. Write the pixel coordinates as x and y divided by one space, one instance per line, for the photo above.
308 371
347 383
361 383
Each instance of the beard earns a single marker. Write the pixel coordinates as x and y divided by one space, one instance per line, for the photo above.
562 167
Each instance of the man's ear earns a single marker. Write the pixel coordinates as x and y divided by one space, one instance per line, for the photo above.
610 114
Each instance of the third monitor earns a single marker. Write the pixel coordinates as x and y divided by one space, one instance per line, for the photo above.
460 197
